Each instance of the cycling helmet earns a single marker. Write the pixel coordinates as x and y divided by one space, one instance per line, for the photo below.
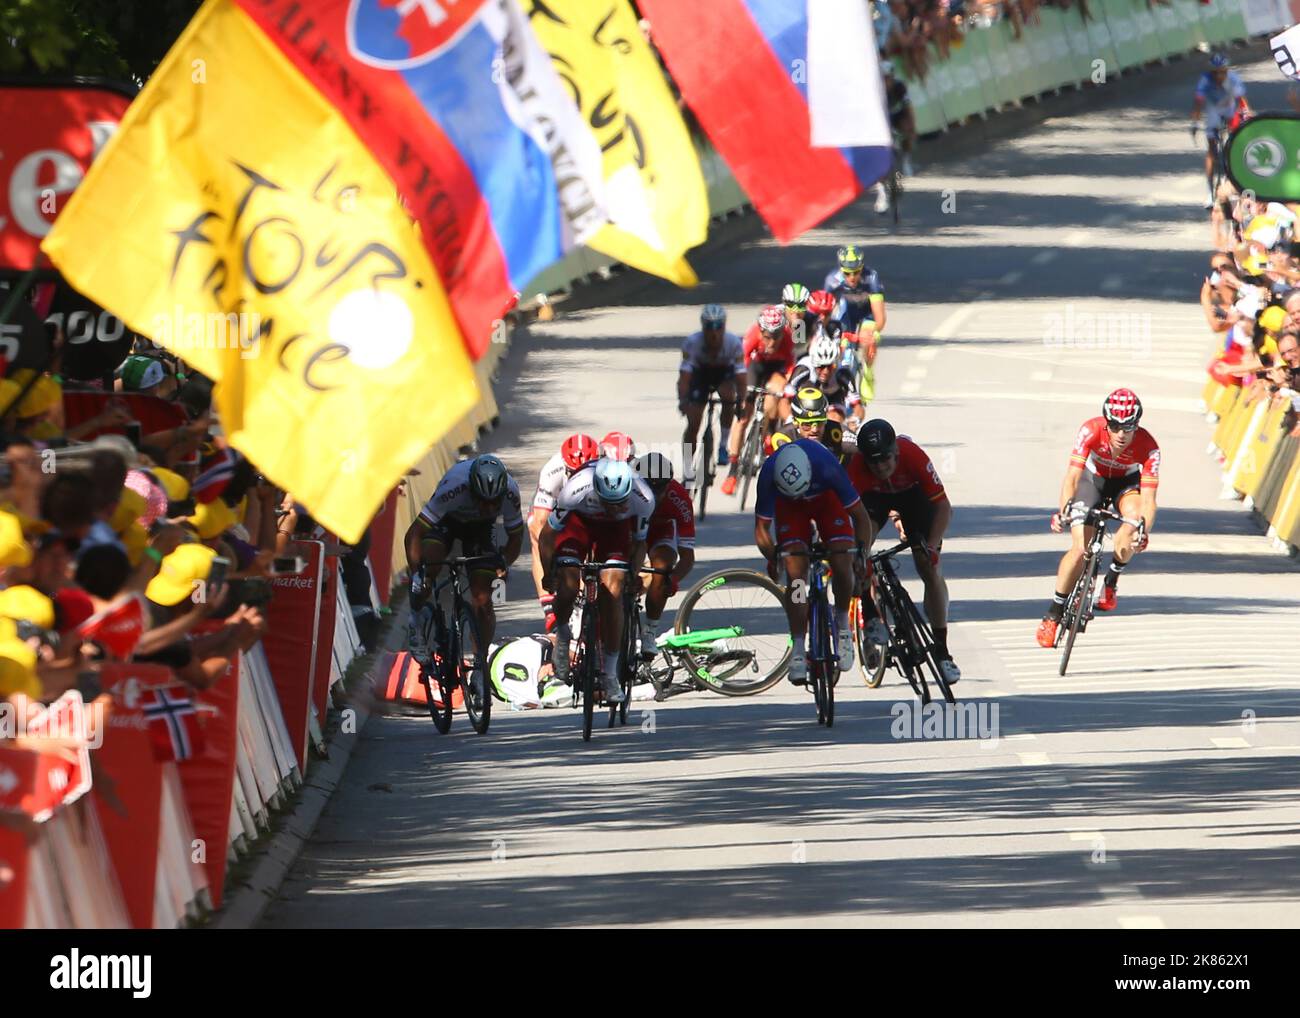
824 352
578 451
488 479
1219 61
1122 408
809 406
654 468
794 295
613 481
713 316
877 440
617 446
830 328
821 302
851 258
771 319
793 470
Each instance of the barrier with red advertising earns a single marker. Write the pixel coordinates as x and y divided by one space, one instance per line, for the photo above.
51 134
293 633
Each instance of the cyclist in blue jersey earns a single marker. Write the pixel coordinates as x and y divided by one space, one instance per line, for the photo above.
858 292
1221 98
802 484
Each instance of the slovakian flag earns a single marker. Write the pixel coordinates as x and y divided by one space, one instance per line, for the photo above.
771 82
173 723
460 104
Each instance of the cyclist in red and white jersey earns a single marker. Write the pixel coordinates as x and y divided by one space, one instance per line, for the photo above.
769 361
576 452
712 360
1113 462
603 512
670 540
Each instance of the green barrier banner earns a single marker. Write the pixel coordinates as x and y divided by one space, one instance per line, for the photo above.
1172 30
1100 47
989 74
1075 31
1010 85
1120 19
1148 34
1263 156
1223 20
926 108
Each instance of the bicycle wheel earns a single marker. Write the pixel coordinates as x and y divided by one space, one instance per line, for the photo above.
1077 607
873 658
439 703
706 471
907 646
732 632
473 673
629 661
590 667
749 450
831 665
929 660
817 679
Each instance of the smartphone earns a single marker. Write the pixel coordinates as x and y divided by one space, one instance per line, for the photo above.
217 574
290 565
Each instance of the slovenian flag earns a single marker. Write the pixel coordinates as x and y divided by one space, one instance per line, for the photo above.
771 82
459 103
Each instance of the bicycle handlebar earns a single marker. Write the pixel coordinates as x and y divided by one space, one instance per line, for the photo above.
588 568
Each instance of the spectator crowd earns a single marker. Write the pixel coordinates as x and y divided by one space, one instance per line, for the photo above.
129 529
1251 300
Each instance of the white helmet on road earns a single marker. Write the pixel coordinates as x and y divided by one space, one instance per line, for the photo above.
793 470
824 352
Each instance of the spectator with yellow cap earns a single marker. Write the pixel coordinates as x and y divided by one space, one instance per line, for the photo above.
180 598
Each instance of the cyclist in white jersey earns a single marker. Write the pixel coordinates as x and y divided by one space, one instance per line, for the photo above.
712 359
576 452
464 507
602 514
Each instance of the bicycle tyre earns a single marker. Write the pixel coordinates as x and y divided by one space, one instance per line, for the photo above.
698 665
590 666
748 456
441 714
478 703
1075 608
831 669
871 677
905 621
706 468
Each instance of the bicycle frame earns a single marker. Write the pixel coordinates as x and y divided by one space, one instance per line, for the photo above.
911 643
589 642
1079 608
823 657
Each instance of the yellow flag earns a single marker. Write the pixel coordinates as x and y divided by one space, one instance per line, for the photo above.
657 202
236 220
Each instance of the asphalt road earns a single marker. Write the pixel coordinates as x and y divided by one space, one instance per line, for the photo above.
1156 785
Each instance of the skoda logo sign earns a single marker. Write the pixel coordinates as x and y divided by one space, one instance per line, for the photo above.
1264 157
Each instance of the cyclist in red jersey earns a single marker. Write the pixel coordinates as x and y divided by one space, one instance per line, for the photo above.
670 540
895 477
1113 461
769 361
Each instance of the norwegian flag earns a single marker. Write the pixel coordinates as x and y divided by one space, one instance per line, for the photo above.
173 723
216 468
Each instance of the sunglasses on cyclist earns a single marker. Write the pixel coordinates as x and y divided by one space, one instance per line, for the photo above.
795 307
1121 429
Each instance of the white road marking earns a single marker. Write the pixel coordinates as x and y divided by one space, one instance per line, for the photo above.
1034 759
927 353
1044 258
949 326
917 372
1012 278
1234 742
909 388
